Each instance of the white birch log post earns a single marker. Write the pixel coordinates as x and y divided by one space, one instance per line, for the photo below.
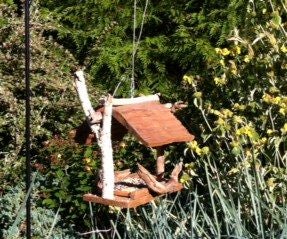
107 151
103 135
93 117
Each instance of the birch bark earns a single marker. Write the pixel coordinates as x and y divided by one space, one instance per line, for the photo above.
103 134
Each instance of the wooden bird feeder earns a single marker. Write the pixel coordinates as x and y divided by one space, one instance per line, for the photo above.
155 126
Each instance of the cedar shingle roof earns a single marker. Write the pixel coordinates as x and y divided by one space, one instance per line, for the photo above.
152 123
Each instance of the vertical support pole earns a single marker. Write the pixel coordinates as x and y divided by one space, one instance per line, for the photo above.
27 117
107 151
160 163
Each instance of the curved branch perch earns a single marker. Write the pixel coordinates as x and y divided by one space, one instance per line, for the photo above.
160 187
103 134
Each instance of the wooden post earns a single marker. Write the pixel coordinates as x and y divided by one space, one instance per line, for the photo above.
107 151
160 163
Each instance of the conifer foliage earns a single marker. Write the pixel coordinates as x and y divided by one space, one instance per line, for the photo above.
227 59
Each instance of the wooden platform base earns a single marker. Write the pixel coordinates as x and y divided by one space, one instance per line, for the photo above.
118 201
130 191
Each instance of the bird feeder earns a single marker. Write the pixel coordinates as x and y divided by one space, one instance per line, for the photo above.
155 126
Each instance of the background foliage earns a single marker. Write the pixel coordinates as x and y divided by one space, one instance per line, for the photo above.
227 59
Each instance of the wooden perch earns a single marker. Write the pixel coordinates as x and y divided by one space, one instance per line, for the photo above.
160 187
137 100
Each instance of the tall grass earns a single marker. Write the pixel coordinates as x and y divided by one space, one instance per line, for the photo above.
226 210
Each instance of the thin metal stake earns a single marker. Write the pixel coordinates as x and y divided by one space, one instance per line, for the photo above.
27 117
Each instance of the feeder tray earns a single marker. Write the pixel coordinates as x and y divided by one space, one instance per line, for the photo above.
130 192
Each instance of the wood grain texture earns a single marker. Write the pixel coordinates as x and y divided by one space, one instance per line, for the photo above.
152 123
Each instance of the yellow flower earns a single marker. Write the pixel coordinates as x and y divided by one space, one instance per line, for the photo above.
218 50
271 184
248 154
237 50
234 71
198 151
88 169
220 121
222 62
225 52
247 59
188 79
220 81
267 98
237 106
237 119
198 94
87 160
205 150
283 49
276 100
248 131
269 131
284 129
226 113
192 144
282 111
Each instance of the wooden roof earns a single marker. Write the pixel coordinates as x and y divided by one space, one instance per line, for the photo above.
152 123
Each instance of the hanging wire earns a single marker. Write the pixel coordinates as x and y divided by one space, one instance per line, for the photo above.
27 118
136 42
135 47
142 23
132 88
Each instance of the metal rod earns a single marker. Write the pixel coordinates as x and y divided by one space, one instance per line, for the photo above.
27 117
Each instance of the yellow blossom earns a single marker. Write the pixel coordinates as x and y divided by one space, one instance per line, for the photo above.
220 121
226 113
188 79
237 119
205 150
198 151
237 106
225 52
267 98
282 111
88 169
220 81
87 160
264 140
218 50
222 62
192 144
276 100
284 129
248 154
237 50
283 49
233 67
247 59
234 71
198 94
248 131
271 184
